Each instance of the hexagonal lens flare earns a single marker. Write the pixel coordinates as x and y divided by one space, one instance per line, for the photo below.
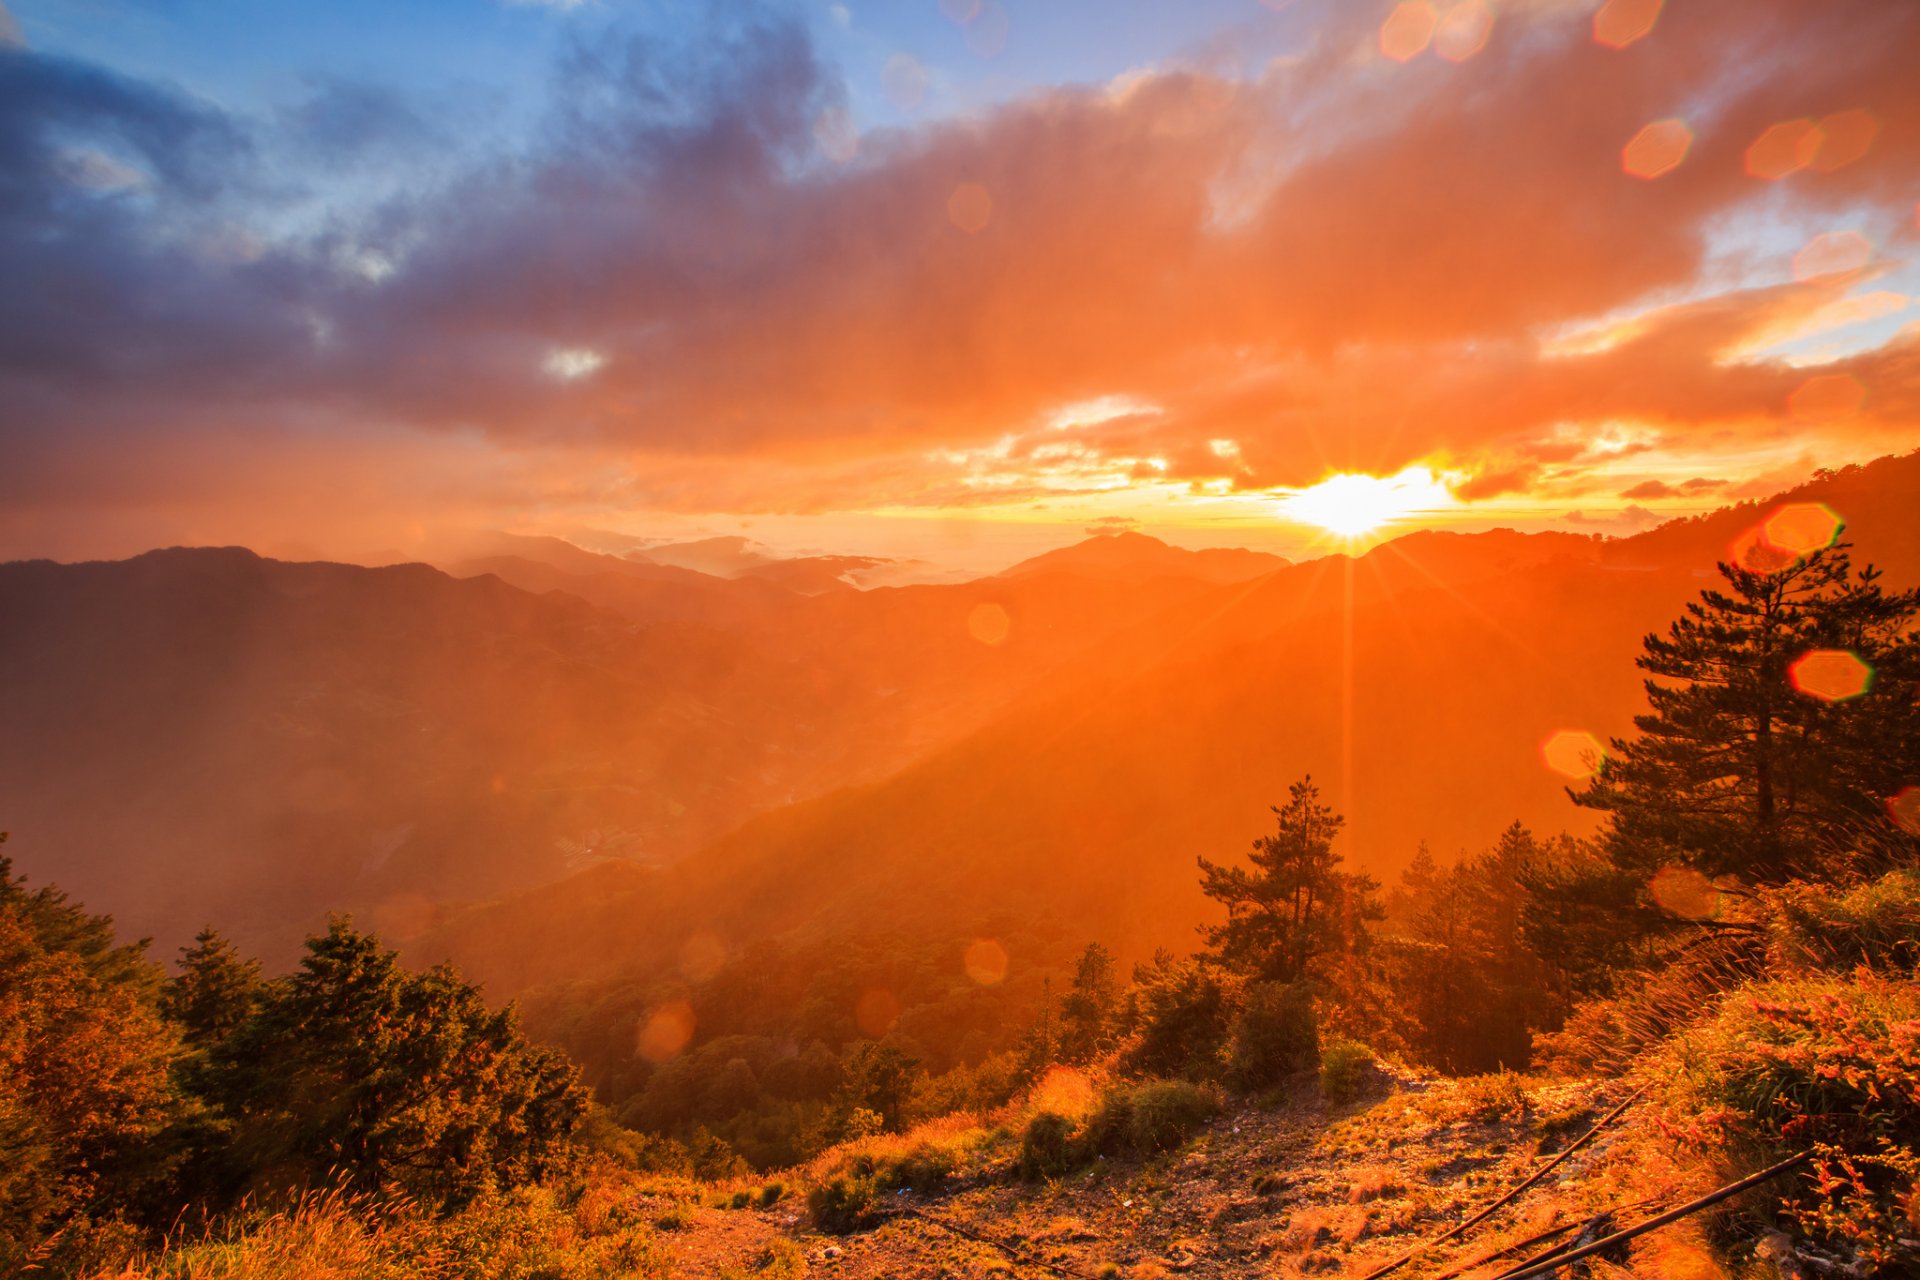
1784 148
1618 23
1803 528
1657 149
1408 30
1573 753
1831 675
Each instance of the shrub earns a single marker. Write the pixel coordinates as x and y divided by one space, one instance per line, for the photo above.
1177 1020
1876 924
1343 1069
1833 1064
1045 1148
1275 1035
1496 1096
771 1193
842 1206
1150 1117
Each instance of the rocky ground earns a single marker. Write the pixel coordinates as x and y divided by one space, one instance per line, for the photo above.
1295 1188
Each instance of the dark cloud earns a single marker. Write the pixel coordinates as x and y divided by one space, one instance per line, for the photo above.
1344 264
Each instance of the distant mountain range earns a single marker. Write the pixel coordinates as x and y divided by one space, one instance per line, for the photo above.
547 762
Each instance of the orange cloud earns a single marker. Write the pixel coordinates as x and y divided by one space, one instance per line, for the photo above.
1340 265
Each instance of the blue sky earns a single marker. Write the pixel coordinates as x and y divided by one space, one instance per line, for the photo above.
387 268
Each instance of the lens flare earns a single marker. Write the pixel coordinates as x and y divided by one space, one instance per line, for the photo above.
876 1011
1802 528
986 962
666 1032
989 623
1573 753
1831 675
1657 149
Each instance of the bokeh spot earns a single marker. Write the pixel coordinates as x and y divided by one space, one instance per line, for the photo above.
1832 253
1657 149
1803 528
905 81
1904 809
1573 753
876 1011
1828 397
1786 147
834 134
970 207
667 1032
701 956
1831 675
1463 30
1408 30
1618 23
1846 137
988 623
1683 891
986 962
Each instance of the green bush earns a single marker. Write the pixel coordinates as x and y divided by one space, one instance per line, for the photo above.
842 1206
1177 1019
1343 1069
771 1193
1876 924
1150 1117
1831 1063
1275 1035
1046 1147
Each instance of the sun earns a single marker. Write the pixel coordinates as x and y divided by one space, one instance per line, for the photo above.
1353 503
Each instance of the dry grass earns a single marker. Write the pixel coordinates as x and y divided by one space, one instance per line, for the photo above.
589 1231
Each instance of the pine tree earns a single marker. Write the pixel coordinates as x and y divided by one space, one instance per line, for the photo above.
1735 771
1294 905
358 1070
215 992
1086 1015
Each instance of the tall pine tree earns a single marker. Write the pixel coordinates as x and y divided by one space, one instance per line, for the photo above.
1736 770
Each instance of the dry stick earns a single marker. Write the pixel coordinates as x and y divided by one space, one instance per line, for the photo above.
1672 1215
1504 1250
1508 1198
1529 1242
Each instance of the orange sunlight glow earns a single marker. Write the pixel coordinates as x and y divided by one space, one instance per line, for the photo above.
1352 503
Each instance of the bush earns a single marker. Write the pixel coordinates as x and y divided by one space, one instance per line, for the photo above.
1485 1099
1177 1020
1343 1069
1046 1146
1150 1117
1829 1063
1876 924
1275 1035
842 1206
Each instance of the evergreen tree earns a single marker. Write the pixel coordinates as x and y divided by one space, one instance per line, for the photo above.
355 1069
1293 906
1735 771
215 992
878 1078
1086 1015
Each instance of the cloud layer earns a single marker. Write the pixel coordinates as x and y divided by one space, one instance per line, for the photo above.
696 291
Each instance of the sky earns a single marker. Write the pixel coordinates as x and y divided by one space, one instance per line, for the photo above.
945 280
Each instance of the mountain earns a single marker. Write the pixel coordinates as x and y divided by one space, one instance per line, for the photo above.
1136 555
1417 685
203 734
